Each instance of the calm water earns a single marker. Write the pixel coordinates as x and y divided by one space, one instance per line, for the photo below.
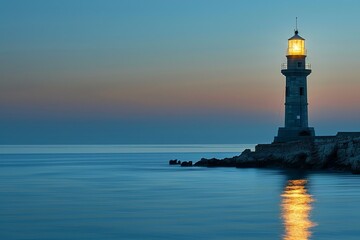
130 192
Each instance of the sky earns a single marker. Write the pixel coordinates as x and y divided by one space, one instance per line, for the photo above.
168 72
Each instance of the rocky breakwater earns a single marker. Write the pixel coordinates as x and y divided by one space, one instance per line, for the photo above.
340 152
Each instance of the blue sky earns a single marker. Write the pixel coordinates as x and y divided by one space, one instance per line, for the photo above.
170 71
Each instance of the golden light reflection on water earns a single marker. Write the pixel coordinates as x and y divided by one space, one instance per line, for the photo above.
296 208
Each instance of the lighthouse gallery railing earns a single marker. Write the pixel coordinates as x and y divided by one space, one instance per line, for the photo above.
284 66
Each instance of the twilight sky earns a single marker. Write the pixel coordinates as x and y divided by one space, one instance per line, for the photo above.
160 71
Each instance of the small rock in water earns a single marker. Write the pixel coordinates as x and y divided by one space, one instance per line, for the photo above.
187 164
174 162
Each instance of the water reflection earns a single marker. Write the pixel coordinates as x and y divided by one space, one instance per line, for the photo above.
296 209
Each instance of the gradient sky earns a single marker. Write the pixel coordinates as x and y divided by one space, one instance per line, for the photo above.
160 71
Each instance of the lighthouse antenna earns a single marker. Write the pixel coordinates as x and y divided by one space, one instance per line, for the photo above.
296 29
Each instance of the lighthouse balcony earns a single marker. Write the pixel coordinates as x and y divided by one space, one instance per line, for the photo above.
296 70
284 66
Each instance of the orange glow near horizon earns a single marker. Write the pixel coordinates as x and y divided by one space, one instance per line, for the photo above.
149 98
296 208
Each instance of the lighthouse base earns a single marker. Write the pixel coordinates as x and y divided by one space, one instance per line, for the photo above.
294 134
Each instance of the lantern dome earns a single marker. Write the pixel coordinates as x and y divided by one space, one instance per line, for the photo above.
296 45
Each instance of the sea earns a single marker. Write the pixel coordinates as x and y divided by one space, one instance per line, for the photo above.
73 192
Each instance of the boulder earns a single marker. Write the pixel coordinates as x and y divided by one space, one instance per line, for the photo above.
174 162
187 164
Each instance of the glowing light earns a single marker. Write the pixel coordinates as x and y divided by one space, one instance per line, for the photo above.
296 47
296 208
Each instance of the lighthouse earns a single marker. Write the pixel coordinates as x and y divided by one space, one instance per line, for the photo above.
295 71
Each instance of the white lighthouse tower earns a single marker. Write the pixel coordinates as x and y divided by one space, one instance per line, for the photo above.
296 105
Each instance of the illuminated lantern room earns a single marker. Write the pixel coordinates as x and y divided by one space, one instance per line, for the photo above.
296 46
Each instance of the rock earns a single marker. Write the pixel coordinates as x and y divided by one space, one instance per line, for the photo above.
355 165
187 164
213 162
201 163
340 152
174 162
317 153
